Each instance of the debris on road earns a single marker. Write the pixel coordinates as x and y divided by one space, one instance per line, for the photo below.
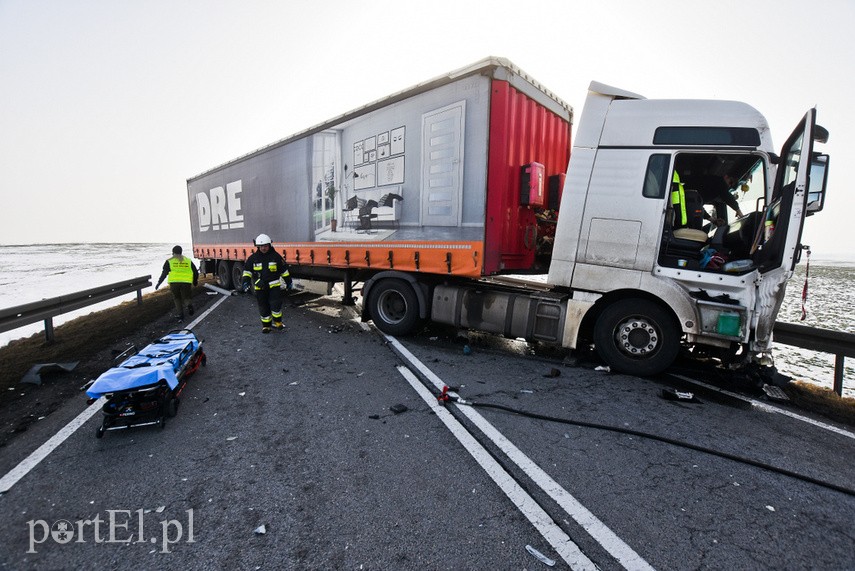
604 368
674 394
553 372
543 558
260 530
398 408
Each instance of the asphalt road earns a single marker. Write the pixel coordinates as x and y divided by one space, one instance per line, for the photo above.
293 431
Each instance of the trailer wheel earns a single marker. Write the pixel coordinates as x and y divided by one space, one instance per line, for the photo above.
224 274
637 337
237 275
394 307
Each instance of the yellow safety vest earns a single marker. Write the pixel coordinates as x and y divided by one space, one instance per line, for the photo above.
678 196
180 270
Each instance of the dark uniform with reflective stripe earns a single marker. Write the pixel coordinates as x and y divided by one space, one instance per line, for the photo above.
264 270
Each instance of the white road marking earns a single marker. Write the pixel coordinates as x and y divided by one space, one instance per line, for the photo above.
769 408
560 541
31 461
616 547
42 451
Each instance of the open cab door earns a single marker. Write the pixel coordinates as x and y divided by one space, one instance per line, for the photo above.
799 190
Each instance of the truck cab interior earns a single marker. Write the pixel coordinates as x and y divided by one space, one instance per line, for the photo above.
724 200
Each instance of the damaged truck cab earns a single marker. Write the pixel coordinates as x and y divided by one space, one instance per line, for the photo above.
680 225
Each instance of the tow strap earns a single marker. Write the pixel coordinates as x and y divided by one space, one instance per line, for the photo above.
805 288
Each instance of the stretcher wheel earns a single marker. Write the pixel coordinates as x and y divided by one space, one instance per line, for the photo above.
172 407
161 422
100 432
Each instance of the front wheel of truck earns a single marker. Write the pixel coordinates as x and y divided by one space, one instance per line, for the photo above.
637 337
394 307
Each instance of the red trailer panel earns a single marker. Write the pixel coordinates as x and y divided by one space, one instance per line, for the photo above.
521 132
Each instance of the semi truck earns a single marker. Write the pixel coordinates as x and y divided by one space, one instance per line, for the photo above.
675 225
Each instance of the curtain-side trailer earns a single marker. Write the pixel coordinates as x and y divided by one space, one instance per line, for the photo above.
675 224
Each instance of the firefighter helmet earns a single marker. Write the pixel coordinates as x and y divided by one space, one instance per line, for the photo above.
262 240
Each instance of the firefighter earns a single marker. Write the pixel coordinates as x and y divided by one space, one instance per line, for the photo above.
266 272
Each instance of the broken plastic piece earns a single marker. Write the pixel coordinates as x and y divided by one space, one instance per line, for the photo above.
543 558
775 393
674 394
260 530
33 376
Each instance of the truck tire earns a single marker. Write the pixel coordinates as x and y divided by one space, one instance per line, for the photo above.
394 307
224 274
637 337
237 275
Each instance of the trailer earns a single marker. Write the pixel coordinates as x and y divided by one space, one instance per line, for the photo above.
433 196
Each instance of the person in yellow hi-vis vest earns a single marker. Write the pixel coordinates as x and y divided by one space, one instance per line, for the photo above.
678 201
181 272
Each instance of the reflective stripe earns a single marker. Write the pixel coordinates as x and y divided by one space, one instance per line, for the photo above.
286 273
277 315
247 274
258 266
275 283
272 266
180 271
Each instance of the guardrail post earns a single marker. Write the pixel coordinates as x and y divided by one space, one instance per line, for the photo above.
838 374
49 329
139 296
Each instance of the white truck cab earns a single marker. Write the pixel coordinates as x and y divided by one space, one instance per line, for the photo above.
680 224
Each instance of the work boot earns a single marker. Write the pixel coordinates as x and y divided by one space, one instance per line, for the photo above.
190 309
278 325
265 329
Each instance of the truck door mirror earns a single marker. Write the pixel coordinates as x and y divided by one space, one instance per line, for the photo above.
818 179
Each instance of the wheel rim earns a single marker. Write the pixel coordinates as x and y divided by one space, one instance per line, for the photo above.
392 306
637 337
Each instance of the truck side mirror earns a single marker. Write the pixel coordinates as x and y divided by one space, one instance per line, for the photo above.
818 179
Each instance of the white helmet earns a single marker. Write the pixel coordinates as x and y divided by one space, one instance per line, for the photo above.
262 239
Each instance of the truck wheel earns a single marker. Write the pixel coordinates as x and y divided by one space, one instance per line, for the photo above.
224 274
637 337
394 307
237 275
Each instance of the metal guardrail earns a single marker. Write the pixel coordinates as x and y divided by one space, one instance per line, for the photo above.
47 309
838 343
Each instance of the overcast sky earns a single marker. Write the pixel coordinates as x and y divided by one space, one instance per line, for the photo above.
108 106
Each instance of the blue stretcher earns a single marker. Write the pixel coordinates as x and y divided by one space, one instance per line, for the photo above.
145 388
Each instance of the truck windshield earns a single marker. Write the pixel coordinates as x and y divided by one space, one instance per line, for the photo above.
751 188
